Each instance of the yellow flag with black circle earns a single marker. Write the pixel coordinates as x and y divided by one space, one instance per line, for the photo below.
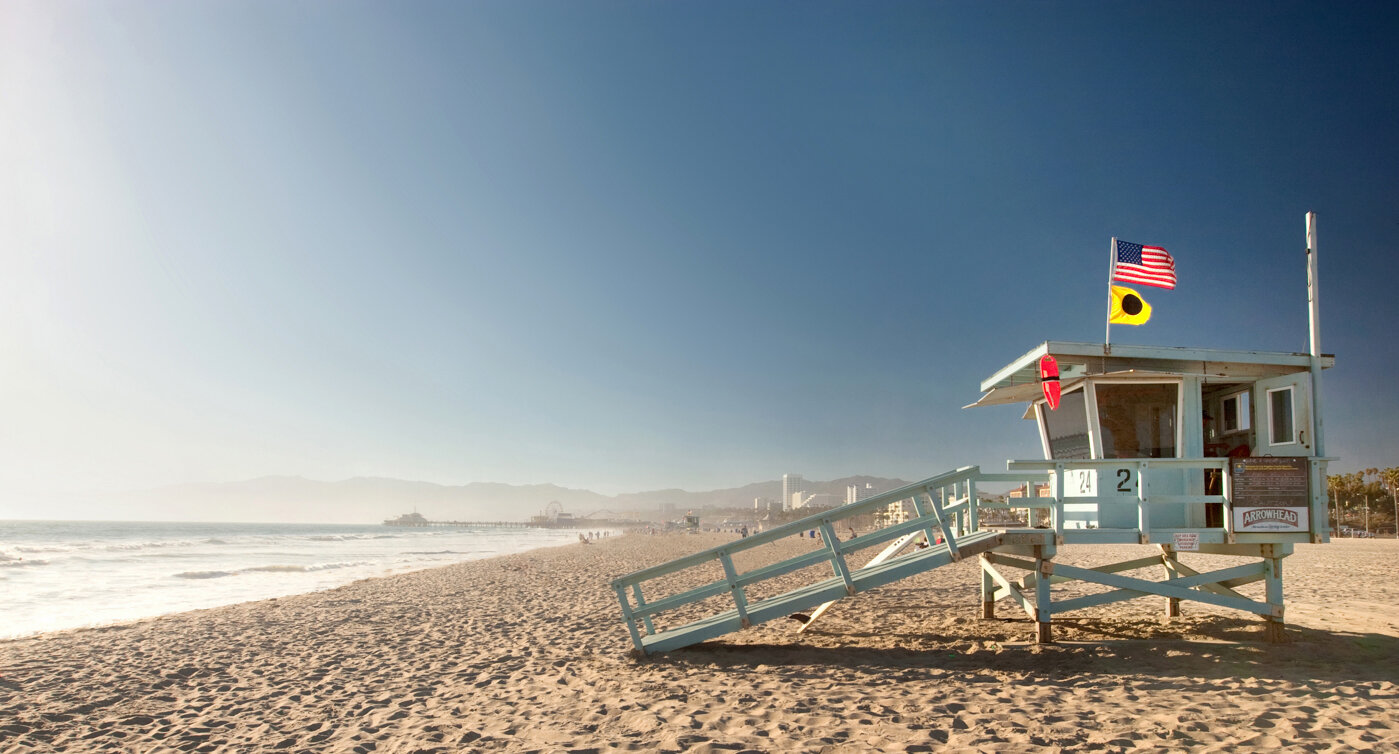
1128 307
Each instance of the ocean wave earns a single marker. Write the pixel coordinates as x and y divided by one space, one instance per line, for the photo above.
273 568
434 552
332 566
158 544
41 549
305 568
338 537
21 563
11 558
204 574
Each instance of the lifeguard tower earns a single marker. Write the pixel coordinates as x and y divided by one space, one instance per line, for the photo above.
1189 450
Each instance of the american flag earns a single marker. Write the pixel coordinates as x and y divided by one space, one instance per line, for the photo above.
1145 265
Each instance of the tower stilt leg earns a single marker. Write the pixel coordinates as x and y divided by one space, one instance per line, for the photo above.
1043 607
1172 603
1273 632
988 591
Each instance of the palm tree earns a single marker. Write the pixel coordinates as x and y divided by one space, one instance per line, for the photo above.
1390 478
1336 483
1365 486
1347 486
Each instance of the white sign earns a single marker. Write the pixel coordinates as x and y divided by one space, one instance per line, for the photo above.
1120 482
1271 519
1187 541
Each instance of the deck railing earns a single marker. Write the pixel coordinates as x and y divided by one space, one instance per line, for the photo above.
1060 477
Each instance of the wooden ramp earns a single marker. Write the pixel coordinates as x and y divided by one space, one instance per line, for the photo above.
825 591
945 508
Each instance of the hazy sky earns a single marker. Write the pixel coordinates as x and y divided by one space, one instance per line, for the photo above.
627 245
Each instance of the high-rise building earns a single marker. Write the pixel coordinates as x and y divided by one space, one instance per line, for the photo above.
792 484
854 493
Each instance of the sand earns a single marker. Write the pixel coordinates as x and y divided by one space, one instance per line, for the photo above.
527 653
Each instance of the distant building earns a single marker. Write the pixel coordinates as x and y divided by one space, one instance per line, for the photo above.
819 500
1041 490
792 486
855 493
763 504
896 512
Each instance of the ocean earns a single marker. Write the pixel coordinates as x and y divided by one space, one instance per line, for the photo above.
66 574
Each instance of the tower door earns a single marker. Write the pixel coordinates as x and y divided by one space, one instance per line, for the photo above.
1282 415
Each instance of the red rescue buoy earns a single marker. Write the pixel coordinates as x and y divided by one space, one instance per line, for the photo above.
1049 381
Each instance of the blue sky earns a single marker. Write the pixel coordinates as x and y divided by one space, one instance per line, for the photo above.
625 246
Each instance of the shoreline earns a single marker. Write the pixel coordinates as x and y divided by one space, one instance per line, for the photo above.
526 652
68 575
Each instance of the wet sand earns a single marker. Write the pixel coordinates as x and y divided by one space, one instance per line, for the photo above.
527 653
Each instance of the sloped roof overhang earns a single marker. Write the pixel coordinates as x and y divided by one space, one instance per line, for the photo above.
1019 381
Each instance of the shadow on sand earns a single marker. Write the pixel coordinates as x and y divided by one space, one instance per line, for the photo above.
1219 648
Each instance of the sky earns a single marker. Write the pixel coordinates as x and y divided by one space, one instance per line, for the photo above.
625 246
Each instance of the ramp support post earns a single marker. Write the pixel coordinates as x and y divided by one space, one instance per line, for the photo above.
1044 568
629 619
1273 627
1171 562
988 590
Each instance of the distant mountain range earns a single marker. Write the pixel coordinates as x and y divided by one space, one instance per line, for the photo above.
373 499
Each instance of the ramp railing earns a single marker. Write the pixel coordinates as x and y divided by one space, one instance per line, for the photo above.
946 509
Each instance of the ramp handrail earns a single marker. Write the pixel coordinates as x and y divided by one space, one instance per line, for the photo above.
946 505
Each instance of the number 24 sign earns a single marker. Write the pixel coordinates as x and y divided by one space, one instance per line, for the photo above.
1086 482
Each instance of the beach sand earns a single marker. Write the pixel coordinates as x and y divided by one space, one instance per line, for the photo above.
527 653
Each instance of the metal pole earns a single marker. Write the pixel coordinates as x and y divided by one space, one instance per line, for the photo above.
1314 326
1112 265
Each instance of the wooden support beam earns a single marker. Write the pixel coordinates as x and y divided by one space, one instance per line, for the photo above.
1044 608
641 603
735 589
1131 588
628 618
1029 565
1273 632
1220 587
1010 589
884 555
988 591
1171 565
930 509
828 533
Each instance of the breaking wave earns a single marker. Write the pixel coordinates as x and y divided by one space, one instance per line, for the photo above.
274 568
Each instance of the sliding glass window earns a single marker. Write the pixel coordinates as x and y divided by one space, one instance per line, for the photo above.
1137 420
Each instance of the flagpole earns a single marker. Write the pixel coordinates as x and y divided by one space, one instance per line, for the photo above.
1112 263
1314 333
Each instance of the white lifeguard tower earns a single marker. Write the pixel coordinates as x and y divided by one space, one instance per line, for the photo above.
1188 450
